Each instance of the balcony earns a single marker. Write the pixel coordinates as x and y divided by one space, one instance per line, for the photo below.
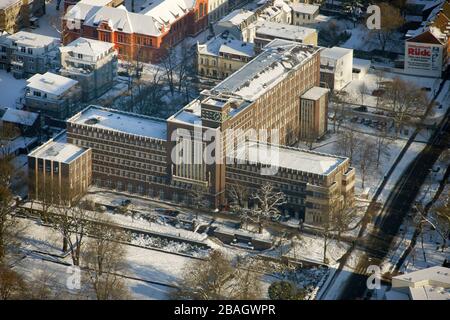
17 63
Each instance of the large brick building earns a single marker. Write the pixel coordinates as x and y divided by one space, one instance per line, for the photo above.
159 158
146 35
17 14
59 171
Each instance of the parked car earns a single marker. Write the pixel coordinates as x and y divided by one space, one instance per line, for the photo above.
126 202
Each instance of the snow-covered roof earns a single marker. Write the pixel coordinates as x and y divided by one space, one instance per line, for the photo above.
266 70
50 83
285 31
226 44
426 284
130 123
7 3
286 157
20 117
315 93
89 47
167 11
58 151
236 17
361 63
190 114
335 52
118 19
96 2
304 8
34 40
440 276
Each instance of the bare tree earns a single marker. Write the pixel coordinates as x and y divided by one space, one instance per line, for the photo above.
379 81
12 285
383 145
199 197
347 143
391 20
442 225
72 223
268 203
405 100
104 259
169 64
149 94
362 90
217 278
238 201
338 104
366 158
9 225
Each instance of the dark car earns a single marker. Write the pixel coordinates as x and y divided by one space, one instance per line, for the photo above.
126 202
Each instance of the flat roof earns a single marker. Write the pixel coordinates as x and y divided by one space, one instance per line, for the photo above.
429 293
335 52
266 70
286 157
237 16
315 93
58 149
190 114
281 30
226 43
435 274
34 40
50 83
304 8
121 121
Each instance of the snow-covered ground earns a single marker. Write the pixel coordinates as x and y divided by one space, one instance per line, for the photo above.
363 39
11 89
50 23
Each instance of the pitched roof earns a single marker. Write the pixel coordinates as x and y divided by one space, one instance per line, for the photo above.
118 19
19 116
167 11
426 37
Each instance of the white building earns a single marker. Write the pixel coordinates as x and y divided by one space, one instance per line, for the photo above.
29 53
275 11
242 23
217 9
336 65
221 56
238 23
303 13
92 63
426 284
426 53
267 31
52 95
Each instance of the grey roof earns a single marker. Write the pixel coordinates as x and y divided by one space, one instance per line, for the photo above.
19 117
126 122
266 70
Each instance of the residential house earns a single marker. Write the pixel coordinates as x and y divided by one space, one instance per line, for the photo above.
53 96
92 63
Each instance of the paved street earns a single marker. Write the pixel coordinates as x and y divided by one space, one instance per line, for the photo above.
379 240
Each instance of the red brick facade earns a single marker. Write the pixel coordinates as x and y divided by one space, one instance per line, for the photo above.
143 47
